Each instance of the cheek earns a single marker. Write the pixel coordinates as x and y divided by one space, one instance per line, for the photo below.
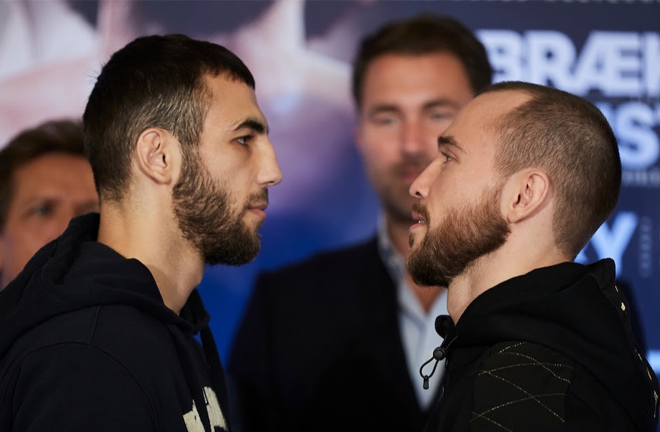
19 247
47 232
444 196
376 139
381 156
37 233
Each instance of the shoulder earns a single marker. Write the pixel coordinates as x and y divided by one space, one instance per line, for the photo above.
526 386
114 355
325 295
122 333
519 384
74 384
346 263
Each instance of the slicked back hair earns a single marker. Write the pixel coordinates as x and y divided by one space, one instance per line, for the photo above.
154 81
54 136
571 141
424 34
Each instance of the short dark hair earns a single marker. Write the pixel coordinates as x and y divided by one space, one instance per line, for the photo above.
569 138
154 81
424 34
53 136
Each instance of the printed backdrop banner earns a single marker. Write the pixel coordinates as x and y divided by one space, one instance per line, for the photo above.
300 53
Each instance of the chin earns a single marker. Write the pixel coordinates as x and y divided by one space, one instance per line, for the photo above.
413 241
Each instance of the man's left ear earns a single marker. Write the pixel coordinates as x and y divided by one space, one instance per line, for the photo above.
157 152
524 194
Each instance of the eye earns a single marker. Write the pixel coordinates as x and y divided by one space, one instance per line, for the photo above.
446 157
42 209
442 115
244 140
383 120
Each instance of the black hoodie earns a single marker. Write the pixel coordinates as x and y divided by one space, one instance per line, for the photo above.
86 343
548 351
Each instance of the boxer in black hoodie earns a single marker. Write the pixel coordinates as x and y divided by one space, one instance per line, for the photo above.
533 341
98 331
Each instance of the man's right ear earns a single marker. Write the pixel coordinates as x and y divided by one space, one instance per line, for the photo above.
156 153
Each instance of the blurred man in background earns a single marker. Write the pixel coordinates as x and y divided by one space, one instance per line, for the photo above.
336 343
45 181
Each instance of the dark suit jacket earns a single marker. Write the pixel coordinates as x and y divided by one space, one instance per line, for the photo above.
319 349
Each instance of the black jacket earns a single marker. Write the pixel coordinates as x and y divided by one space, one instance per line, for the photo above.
319 349
548 351
87 344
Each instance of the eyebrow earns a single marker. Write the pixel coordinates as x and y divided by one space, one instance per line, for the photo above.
383 108
448 140
254 124
442 103
388 107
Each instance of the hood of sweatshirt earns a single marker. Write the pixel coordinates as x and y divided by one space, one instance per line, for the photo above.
573 309
74 272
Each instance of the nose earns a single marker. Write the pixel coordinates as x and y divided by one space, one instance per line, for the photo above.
420 187
412 139
269 173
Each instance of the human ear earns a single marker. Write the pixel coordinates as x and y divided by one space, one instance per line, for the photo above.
156 154
525 194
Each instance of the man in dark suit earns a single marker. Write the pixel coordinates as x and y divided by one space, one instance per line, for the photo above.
336 343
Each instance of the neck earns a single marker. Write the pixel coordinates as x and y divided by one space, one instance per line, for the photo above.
157 243
490 270
399 234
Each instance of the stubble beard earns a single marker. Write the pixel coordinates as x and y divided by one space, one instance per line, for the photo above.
207 219
464 235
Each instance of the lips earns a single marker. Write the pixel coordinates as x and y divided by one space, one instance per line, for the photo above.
258 206
420 214
418 218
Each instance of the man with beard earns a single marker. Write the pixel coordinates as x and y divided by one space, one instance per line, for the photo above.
98 331
341 336
533 341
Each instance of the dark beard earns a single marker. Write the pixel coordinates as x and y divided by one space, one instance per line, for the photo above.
463 236
206 219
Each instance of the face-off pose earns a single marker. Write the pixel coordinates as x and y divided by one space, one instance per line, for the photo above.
98 329
533 341
410 78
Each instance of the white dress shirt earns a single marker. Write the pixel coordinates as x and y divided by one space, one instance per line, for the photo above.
417 328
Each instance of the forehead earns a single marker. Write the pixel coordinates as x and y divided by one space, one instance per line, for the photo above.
231 101
48 164
53 172
437 74
486 109
475 122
